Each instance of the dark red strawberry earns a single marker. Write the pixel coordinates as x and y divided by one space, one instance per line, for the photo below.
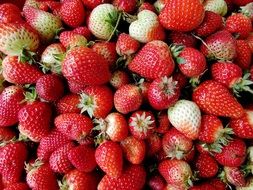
6 134
218 184
154 144
68 104
182 39
17 186
157 182
91 4
10 13
243 57
163 123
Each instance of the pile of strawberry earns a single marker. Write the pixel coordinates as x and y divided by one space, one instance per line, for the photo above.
126 95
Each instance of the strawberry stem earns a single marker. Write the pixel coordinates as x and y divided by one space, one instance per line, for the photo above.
115 27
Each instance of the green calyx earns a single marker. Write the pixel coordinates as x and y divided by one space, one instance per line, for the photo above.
63 184
242 85
27 56
114 20
30 95
33 166
87 104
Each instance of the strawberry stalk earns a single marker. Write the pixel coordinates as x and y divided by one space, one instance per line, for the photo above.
115 26
243 85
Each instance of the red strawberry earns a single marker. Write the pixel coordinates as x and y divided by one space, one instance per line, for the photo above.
163 123
83 66
241 2
243 58
119 79
59 161
40 176
127 99
10 105
12 158
206 166
54 7
146 6
203 186
243 127
70 40
72 13
17 186
218 184
163 92
181 79
154 60
249 40
181 15
91 4
84 31
220 45
126 45
6 134
156 182
239 24
154 144
127 6
109 158
76 88
176 145
75 126
215 99
232 155
50 87
133 177
183 39
82 158
34 120
211 23
175 172
10 13
68 104
50 143
234 176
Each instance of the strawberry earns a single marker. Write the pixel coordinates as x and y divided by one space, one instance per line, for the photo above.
102 21
163 92
175 172
50 143
249 40
154 60
76 88
50 87
163 123
126 45
234 176
220 45
14 37
160 4
218 184
133 177
12 158
84 66
10 13
146 28
247 10
127 99
54 7
69 40
185 116
247 186
217 6
133 149
181 15
243 57
156 182
10 104
84 31
91 4
109 158
73 125
127 6
215 99
40 176
119 78
211 23
181 79
154 144
6 134
79 180
68 104
72 13
183 39
206 166
233 154
146 6
243 127
17 186
51 58
176 145
59 161
203 186
45 23
241 2
107 50
113 127
82 158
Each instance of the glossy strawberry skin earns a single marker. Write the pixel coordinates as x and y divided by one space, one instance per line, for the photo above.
68 104
184 39
126 45
9 13
243 58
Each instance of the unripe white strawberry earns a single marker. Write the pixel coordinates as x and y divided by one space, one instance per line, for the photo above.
160 4
185 116
102 21
147 27
218 6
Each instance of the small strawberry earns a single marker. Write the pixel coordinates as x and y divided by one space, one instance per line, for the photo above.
91 4
17 186
11 101
72 13
154 144
12 158
84 31
133 177
157 182
249 40
146 6
6 134
220 45
176 145
84 66
134 150
211 23
127 99
70 40
10 13
59 161
218 184
182 39
181 15
119 78
233 176
146 28
243 57
206 166
76 88
75 126
163 92
109 158
40 176
185 116
45 23
82 158
127 6
163 123
68 104
217 6
233 154
215 99
154 60
126 45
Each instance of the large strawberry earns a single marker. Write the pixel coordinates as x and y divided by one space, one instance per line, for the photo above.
10 13
215 99
84 66
153 60
182 15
